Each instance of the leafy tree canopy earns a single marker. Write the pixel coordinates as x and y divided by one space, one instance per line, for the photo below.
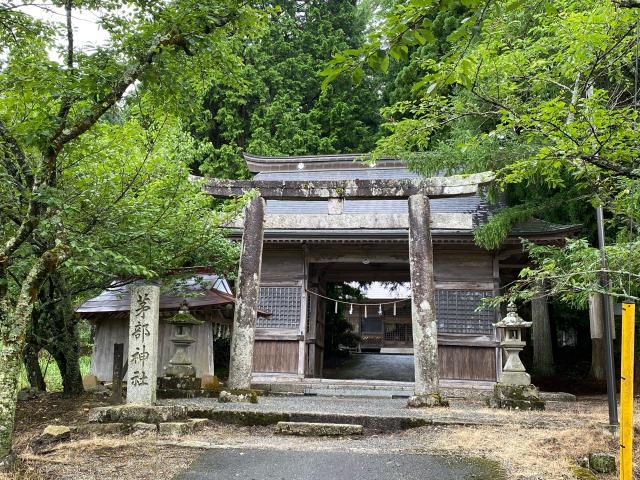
545 94
279 107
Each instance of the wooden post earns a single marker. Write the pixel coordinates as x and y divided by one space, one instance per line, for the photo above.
423 305
116 379
541 337
247 296
626 391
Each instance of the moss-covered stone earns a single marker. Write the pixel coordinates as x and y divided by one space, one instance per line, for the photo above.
309 429
516 397
582 473
240 418
132 413
602 462
427 401
407 423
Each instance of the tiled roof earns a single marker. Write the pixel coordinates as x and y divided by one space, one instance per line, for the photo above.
205 294
535 226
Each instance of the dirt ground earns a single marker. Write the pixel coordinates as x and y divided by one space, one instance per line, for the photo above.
523 452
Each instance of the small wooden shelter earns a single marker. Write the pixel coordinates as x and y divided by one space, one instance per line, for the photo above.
208 298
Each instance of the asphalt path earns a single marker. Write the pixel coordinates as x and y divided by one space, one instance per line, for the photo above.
256 464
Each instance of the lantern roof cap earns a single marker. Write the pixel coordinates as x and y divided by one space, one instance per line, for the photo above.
512 319
183 317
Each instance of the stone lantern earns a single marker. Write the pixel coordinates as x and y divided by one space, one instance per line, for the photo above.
180 365
512 327
514 388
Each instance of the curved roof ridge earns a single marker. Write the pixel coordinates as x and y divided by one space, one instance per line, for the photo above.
259 163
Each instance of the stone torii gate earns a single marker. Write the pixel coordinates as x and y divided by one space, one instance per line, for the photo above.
423 314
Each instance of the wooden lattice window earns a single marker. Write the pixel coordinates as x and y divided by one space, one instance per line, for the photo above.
283 303
398 332
456 312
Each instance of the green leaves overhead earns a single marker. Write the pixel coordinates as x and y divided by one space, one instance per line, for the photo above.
279 107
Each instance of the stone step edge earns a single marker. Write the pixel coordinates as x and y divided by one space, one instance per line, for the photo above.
385 423
315 429
164 428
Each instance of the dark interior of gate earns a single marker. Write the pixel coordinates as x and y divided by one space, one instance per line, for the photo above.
296 277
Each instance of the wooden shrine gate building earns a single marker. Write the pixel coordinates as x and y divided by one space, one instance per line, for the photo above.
322 219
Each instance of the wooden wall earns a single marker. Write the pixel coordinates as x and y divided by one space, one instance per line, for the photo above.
275 357
467 363
116 330
455 266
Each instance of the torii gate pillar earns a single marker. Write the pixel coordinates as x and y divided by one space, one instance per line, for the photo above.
247 296
423 305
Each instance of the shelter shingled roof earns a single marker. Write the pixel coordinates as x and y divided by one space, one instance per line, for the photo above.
202 293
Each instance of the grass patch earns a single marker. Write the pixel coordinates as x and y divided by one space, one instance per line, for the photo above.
51 373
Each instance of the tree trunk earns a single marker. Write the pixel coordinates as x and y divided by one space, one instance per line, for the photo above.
596 328
541 337
55 322
67 358
9 374
13 330
32 367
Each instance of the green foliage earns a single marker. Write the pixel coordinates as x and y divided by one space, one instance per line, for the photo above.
278 108
338 332
544 94
94 155
571 273
51 372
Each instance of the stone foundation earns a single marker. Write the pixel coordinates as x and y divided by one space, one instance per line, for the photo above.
186 387
427 401
133 413
516 397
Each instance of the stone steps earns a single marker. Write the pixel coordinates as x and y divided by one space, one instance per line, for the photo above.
309 429
359 392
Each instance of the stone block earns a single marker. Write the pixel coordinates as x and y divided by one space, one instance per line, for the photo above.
132 413
141 428
89 382
307 429
98 428
602 462
247 396
57 432
198 423
516 397
51 435
28 394
179 383
210 383
176 428
427 401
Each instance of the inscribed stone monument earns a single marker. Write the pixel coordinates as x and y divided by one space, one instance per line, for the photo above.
143 344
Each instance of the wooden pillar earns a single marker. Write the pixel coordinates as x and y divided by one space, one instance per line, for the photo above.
541 337
247 296
423 301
